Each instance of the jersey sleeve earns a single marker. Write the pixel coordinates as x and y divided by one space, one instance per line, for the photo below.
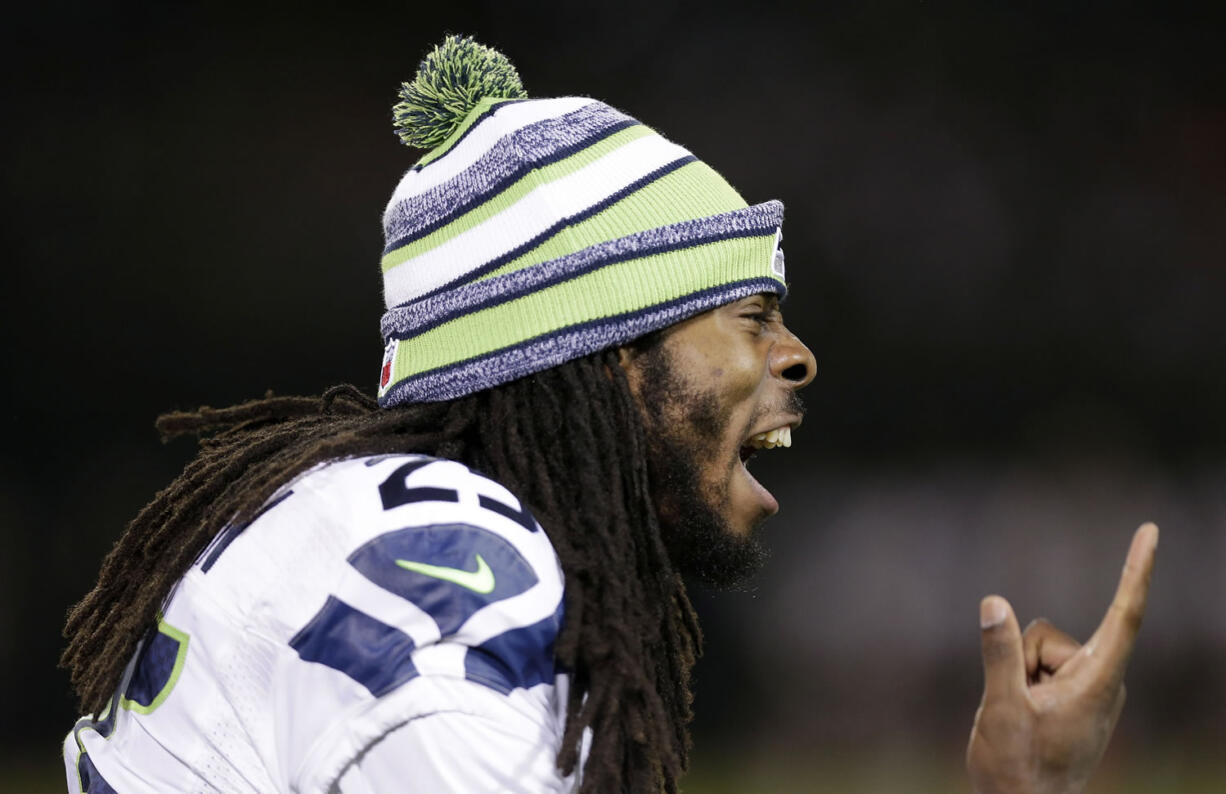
435 636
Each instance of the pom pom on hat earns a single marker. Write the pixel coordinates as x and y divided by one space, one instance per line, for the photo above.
450 81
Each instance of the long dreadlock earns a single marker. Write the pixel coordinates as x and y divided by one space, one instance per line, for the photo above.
569 442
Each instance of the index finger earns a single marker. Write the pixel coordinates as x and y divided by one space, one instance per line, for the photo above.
1112 642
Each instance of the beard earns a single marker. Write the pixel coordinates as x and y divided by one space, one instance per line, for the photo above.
684 427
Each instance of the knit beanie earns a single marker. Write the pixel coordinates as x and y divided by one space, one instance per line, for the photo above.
537 231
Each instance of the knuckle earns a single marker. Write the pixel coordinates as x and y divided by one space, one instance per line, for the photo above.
1045 701
1130 614
1037 625
996 651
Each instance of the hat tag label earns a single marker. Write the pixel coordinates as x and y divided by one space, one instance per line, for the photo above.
389 362
777 263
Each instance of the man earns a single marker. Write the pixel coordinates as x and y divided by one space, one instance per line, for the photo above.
474 584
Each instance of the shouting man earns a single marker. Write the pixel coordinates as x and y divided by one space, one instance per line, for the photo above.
474 583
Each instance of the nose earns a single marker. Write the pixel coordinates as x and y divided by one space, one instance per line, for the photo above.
792 361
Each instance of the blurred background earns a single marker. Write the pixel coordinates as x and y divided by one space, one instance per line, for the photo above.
1006 235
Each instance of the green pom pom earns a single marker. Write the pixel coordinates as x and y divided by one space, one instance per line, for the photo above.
450 81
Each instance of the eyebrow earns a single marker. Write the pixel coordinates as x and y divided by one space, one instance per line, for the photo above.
770 301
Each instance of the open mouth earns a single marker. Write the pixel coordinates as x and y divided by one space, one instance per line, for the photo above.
770 439
779 437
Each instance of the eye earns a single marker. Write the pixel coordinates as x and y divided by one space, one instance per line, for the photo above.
756 314
759 311
760 315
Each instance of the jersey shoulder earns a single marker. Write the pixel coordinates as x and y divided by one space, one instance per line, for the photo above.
454 558
451 542
367 592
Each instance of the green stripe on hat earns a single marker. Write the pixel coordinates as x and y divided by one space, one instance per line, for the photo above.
617 289
691 192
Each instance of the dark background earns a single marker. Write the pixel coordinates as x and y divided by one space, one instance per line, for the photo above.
1006 234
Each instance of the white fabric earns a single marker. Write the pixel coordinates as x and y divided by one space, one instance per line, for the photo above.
501 751
249 714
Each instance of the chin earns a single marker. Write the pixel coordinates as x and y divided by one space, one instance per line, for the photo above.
707 544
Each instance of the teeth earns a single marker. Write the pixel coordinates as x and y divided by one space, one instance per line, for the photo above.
779 437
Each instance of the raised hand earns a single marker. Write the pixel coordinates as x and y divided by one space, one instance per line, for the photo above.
1049 704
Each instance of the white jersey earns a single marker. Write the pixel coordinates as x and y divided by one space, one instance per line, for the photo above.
385 623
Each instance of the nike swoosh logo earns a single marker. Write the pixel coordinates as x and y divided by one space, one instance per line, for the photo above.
479 581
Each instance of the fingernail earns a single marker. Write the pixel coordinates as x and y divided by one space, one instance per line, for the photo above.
991 612
1153 531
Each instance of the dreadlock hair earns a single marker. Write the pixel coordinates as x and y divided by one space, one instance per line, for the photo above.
568 442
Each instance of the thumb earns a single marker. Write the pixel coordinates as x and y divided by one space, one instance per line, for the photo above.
1004 662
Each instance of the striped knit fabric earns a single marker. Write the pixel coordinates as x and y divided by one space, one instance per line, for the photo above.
544 230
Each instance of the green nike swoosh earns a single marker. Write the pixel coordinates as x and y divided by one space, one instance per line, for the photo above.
479 581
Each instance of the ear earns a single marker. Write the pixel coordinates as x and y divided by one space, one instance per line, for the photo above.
629 359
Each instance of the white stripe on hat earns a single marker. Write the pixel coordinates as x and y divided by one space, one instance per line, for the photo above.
527 218
506 120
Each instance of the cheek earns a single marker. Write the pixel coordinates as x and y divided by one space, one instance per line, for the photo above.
738 372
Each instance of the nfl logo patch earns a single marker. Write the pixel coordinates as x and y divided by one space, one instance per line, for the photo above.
389 360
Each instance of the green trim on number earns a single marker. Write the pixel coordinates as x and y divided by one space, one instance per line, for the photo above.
91 723
180 657
88 723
